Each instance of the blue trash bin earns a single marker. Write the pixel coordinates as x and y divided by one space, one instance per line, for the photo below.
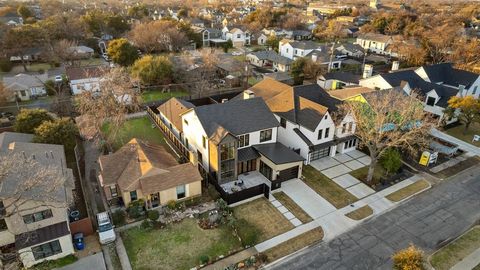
78 241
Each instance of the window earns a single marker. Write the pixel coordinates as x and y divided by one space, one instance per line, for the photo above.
344 127
283 122
185 121
243 140
227 151
23 93
113 191
474 90
133 195
181 192
200 157
265 135
227 169
326 116
431 101
327 132
46 250
204 142
286 50
296 52
320 133
238 35
38 216
186 143
3 225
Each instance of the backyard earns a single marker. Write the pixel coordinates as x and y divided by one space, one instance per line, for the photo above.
457 250
457 132
261 214
327 188
140 128
177 246
155 95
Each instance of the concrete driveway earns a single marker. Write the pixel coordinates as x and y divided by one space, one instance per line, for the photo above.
312 203
94 261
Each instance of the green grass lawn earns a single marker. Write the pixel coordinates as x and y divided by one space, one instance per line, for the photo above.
154 95
457 132
53 264
454 252
360 213
92 62
326 188
177 246
140 128
262 215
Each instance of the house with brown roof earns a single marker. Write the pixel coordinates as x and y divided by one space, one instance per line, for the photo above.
140 170
85 78
310 122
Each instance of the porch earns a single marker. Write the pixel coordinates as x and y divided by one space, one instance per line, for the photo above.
245 181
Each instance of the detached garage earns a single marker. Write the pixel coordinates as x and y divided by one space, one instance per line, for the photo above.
278 163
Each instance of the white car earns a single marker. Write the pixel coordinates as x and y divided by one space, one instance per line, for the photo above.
237 53
106 234
105 56
58 78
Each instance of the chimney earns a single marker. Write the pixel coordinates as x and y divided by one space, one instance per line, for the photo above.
247 94
395 65
314 58
367 71
224 100
462 90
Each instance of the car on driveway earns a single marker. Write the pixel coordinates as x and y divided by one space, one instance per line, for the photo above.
106 234
58 78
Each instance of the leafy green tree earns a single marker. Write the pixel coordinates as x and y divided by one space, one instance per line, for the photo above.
391 160
152 70
50 87
94 21
122 52
25 12
297 70
59 131
117 25
29 119
272 42
468 110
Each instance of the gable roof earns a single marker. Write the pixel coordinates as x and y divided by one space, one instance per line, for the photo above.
375 37
445 73
238 116
278 153
346 93
272 56
303 45
24 81
79 73
149 167
172 110
343 76
304 104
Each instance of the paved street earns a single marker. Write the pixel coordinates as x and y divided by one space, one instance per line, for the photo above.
441 213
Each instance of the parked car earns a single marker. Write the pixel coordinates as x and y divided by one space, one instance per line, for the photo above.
105 56
58 79
237 53
78 241
106 234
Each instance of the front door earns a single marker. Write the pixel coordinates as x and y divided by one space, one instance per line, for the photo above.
247 166
155 200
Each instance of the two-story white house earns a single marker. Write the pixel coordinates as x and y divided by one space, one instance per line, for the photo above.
376 43
238 37
34 201
306 121
295 49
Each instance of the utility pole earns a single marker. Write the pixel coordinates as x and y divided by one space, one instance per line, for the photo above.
331 57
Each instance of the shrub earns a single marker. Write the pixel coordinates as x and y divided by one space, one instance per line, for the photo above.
204 259
391 160
5 65
119 217
409 258
247 233
172 204
135 209
153 215
50 87
146 224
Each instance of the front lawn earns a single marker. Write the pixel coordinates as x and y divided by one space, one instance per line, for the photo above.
408 191
360 213
294 244
177 246
361 174
261 214
156 95
457 132
140 128
296 210
454 252
326 188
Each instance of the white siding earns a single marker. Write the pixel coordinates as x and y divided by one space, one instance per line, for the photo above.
254 138
374 82
194 133
91 84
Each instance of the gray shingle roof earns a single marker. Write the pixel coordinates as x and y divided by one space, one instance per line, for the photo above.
236 116
272 56
247 153
41 235
278 153
445 73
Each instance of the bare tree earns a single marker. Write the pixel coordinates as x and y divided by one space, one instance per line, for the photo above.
115 98
389 119
63 49
5 94
158 36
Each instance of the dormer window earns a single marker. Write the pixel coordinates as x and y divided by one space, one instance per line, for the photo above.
431 101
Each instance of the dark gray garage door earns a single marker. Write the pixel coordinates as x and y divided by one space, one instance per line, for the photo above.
317 154
288 174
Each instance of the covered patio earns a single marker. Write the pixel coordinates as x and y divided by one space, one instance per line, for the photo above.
245 181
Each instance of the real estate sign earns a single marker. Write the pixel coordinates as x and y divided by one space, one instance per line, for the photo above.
425 158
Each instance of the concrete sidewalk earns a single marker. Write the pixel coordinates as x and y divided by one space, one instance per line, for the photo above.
468 262
461 144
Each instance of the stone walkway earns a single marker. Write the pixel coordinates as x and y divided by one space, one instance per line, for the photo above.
287 214
468 262
233 259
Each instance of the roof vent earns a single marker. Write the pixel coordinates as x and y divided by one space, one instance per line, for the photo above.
248 94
